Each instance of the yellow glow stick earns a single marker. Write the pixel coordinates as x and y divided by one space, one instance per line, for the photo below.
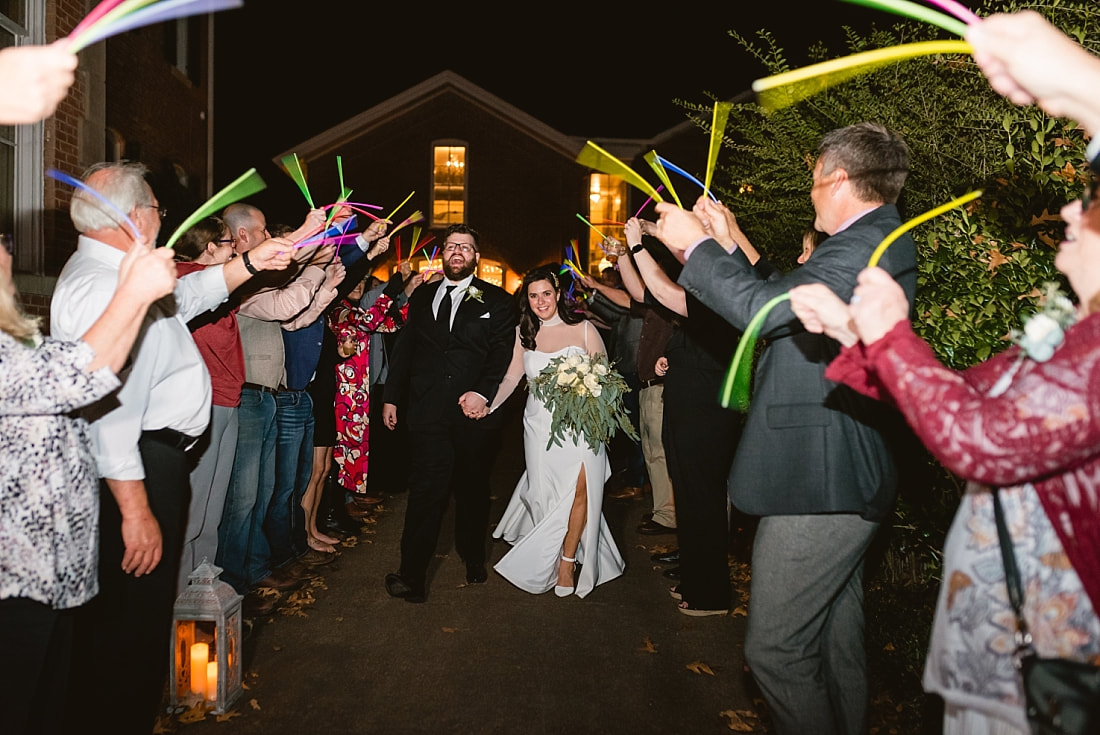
780 90
597 158
918 220
654 163
717 128
399 206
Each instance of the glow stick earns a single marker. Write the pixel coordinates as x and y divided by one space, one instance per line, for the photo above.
735 388
647 201
345 192
717 128
334 231
676 169
960 11
402 204
64 178
597 158
416 216
582 219
781 90
397 246
421 244
97 12
293 168
654 163
908 9
432 258
918 220
168 10
243 186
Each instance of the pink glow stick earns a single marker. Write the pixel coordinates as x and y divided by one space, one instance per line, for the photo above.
97 12
957 9
647 201
168 10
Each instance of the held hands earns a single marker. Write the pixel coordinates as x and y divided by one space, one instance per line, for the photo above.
389 416
273 254
334 273
146 274
413 283
661 367
33 80
314 223
473 405
822 312
719 223
613 247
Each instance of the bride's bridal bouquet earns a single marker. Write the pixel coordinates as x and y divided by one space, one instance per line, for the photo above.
584 395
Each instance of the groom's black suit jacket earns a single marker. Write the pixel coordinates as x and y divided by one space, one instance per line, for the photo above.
431 366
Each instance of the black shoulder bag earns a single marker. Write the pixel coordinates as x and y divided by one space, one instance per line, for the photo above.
1063 697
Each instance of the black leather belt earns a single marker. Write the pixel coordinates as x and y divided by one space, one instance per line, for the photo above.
261 388
653 382
169 437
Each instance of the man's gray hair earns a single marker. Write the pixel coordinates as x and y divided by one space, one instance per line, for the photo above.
122 184
876 159
238 215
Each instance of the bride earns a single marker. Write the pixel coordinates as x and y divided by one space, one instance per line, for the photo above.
547 519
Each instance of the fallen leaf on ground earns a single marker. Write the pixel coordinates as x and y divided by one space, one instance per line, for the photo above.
736 720
254 704
196 713
699 667
227 716
740 611
647 646
450 630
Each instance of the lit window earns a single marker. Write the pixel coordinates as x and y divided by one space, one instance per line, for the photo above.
606 208
491 271
448 185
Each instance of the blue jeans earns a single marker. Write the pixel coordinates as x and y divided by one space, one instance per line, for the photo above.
242 548
285 524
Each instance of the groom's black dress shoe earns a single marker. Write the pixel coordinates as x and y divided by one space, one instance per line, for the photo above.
476 574
668 557
398 587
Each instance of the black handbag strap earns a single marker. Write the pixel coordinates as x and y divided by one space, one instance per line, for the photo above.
1012 576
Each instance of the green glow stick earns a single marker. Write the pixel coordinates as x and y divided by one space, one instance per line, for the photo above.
293 167
654 162
916 12
594 229
246 185
735 388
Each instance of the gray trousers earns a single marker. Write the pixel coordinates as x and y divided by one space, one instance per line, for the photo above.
209 485
805 628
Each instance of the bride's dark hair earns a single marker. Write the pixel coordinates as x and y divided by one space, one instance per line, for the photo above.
529 323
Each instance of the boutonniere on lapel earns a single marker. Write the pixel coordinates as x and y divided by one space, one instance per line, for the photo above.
475 293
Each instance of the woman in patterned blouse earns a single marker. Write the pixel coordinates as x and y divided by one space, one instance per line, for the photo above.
1023 424
49 498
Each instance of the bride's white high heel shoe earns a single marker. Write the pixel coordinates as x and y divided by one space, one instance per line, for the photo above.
561 591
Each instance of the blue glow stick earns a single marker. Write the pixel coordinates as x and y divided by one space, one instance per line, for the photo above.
64 178
673 167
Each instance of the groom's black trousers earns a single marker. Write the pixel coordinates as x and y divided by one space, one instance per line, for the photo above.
450 458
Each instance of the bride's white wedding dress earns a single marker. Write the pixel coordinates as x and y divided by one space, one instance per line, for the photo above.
537 516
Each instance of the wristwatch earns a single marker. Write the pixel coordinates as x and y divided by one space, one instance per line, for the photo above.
637 248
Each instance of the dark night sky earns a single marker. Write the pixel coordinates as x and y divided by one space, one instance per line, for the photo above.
286 71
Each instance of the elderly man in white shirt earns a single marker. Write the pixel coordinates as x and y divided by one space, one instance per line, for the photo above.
139 436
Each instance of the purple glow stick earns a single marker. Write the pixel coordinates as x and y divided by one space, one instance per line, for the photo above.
169 10
64 178
960 11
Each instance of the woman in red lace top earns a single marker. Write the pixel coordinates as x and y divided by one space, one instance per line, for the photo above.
1025 423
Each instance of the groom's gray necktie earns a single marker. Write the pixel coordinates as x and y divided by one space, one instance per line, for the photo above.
443 314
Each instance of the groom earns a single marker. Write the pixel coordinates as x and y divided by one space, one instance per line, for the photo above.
452 353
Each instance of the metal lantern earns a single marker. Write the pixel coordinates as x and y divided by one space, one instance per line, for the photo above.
206 642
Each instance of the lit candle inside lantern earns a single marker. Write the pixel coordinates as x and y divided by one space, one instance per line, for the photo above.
200 655
212 681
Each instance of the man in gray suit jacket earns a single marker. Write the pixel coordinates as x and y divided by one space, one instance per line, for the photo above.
813 461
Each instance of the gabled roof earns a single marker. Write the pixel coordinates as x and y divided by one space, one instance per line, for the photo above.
407 102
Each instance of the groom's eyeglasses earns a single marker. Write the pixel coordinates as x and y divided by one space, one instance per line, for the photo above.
460 247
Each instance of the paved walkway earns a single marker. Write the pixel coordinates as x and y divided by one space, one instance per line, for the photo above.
488 658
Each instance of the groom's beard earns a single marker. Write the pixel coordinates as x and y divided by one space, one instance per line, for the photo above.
457 274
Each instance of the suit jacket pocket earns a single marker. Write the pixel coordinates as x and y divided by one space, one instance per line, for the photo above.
793 415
